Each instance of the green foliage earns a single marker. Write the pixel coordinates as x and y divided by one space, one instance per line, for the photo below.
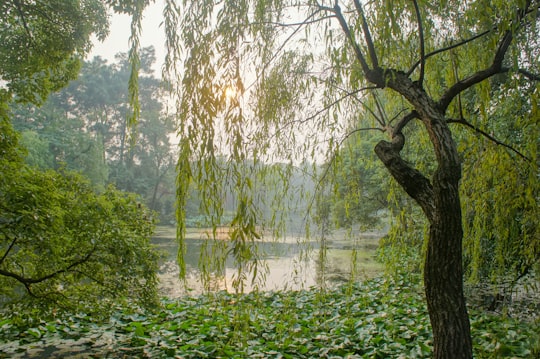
42 42
501 189
376 319
84 128
9 138
360 193
63 244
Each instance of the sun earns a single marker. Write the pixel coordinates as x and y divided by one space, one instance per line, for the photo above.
230 92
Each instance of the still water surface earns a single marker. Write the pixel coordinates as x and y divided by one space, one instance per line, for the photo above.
290 263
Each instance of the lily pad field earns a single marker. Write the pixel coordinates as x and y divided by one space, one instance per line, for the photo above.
379 318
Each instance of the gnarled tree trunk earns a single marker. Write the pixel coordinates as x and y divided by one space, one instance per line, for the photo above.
439 199
443 272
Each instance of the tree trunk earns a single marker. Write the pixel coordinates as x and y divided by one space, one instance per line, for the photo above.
443 271
443 275
439 200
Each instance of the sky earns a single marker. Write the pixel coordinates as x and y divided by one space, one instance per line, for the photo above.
119 32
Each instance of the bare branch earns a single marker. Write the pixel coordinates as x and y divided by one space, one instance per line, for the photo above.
403 122
324 109
362 129
367 35
489 137
529 75
294 24
422 42
380 108
397 116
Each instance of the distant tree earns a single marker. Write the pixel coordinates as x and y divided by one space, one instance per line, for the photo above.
54 139
85 129
41 46
359 193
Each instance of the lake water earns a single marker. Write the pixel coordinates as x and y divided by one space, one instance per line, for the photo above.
290 263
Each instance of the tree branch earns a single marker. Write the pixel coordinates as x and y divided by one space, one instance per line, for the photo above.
479 76
410 179
8 250
293 24
403 122
282 46
495 68
325 108
382 114
422 42
358 52
28 281
531 76
367 35
489 137
18 5
446 48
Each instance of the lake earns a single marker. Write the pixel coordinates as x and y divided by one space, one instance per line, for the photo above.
290 263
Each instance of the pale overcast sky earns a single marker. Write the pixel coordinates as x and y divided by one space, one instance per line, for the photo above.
118 39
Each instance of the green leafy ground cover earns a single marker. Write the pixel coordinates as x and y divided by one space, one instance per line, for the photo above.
377 319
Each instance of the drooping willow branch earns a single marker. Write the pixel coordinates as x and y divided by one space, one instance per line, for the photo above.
488 136
528 10
135 64
322 110
282 46
332 161
478 76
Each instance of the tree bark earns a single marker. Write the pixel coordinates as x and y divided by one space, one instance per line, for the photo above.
443 273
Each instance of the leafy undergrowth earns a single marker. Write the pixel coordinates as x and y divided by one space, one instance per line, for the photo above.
377 319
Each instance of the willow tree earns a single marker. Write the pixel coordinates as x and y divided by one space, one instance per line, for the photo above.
271 81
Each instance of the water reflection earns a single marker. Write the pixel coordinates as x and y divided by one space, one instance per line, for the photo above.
291 263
